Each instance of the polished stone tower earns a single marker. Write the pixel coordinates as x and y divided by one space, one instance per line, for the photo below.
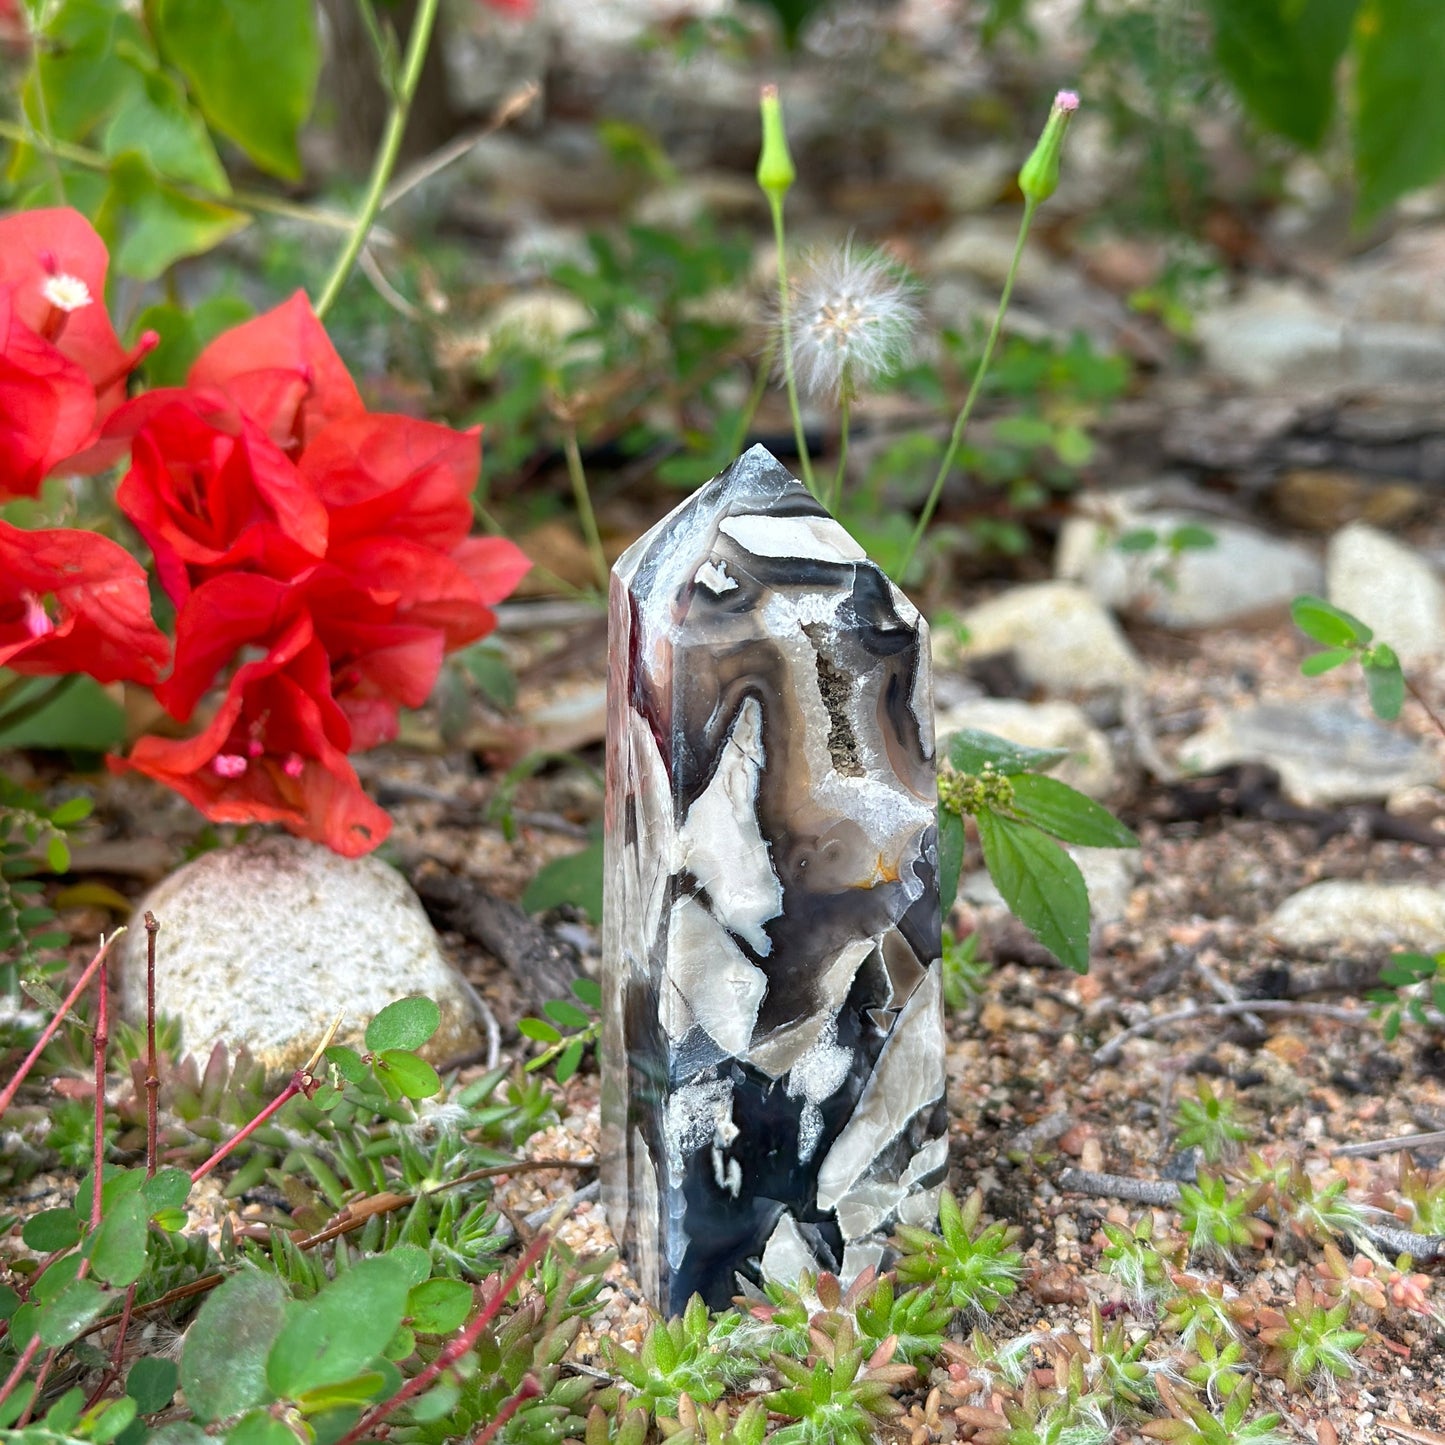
772 1047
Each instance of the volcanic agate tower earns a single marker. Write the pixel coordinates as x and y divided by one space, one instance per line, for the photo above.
772 1047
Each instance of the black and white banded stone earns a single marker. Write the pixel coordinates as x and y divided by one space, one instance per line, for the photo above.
772 1052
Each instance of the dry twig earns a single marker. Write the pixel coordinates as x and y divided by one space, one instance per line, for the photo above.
1107 1053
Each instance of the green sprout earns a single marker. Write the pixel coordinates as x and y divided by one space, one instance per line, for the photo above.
1209 1122
971 1267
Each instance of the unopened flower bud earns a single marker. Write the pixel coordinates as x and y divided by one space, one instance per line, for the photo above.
1039 178
776 173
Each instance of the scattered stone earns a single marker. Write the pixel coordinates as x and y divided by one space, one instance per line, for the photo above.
1324 752
1244 573
1090 764
1273 335
265 943
1062 639
1391 587
1322 499
1363 915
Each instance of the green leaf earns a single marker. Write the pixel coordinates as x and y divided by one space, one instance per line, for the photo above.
152 1383
50 1230
157 122
411 1076
260 1427
80 73
184 334
337 1334
588 992
538 1030
81 717
72 811
150 223
1192 538
575 879
1384 681
969 751
117 1249
1331 657
169 1188
252 67
568 1015
57 854
952 837
1041 885
111 1421
1327 624
1281 57
348 1063
569 1060
1139 539
223 1365
406 1024
1066 813
61 1319
1399 120
356 1391
439 1306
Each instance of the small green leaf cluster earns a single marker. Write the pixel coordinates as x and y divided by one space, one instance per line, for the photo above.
32 842
1423 1192
1204 1420
1173 544
694 1355
1022 817
1313 1340
964 973
839 1398
971 1266
1129 1256
1209 1122
1346 639
1217 1218
391 1065
567 1049
1414 983
701 1425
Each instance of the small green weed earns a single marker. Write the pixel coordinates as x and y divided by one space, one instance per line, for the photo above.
971 1267
1217 1219
840 1397
1209 1122
1312 1340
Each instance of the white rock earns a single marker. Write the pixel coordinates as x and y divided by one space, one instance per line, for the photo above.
1273 335
1061 638
1390 586
1365 915
1325 753
1090 764
1245 573
264 944
1109 874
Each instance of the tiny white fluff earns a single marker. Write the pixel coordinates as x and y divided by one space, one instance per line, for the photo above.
66 293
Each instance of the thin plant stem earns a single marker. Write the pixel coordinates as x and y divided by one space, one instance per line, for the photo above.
99 1042
153 1072
41 138
583 497
15 1376
386 156
785 328
91 160
960 426
454 1350
1429 711
10 1090
835 494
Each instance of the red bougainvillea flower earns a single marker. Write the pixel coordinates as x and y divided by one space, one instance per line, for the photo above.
275 752
52 273
73 601
282 371
209 490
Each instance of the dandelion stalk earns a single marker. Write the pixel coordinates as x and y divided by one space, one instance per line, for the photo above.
776 175
835 494
1038 180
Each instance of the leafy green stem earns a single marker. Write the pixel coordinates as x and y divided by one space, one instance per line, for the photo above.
386 156
577 475
960 426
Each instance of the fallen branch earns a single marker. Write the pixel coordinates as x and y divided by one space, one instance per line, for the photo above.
1164 1194
1369 1148
1107 1053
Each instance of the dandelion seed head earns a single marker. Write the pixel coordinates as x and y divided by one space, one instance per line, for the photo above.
853 319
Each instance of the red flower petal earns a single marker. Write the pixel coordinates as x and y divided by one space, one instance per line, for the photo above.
258 362
36 247
73 601
269 756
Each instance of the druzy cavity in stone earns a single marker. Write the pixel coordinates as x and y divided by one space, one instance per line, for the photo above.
772 1046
